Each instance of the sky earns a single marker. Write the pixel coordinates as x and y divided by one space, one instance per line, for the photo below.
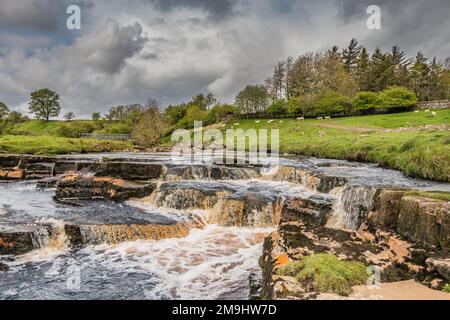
129 50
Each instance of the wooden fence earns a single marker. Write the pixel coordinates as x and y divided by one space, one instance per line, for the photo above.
107 136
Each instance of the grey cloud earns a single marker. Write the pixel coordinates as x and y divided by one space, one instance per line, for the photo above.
108 50
217 8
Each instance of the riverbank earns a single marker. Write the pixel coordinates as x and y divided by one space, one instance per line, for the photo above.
415 143
50 145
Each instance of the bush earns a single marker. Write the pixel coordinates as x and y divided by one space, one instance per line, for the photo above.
74 130
330 102
398 97
221 111
367 101
278 107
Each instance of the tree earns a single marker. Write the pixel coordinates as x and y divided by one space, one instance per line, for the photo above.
419 76
362 70
277 108
175 113
350 55
253 98
151 126
44 104
4 111
16 117
204 101
69 116
96 116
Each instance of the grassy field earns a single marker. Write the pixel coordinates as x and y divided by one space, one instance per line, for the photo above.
43 128
418 151
45 145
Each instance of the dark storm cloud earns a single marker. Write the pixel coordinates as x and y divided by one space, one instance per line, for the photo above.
217 8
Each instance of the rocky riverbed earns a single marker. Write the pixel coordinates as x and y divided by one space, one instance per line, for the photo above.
141 226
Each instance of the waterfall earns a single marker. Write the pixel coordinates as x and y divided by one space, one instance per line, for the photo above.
352 206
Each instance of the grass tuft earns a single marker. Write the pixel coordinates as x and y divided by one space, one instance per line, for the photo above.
326 273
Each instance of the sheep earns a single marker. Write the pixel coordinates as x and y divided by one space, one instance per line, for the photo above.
281 121
427 110
236 124
257 121
319 118
433 114
270 121
327 118
417 111
301 119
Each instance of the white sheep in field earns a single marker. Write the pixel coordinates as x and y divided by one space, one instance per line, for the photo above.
327 118
301 119
281 121
427 110
417 111
257 121
433 114
270 121
236 124
319 118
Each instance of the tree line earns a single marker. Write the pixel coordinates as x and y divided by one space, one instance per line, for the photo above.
341 81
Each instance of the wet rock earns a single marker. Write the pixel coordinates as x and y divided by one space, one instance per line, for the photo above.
386 208
26 160
39 170
9 160
179 173
191 195
62 167
16 239
81 235
440 263
254 282
12 174
131 170
87 187
311 210
357 202
48 183
3 267
247 209
426 221
231 173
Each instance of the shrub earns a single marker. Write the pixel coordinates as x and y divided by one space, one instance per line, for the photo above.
447 288
330 102
367 101
221 111
398 97
278 107
326 273
74 130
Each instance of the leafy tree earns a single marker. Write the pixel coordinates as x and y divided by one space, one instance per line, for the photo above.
96 116
362 70
175 113
278 107
15 117
253 98
221 111
44 104
151 126
205 102
367 101
4 111
69 116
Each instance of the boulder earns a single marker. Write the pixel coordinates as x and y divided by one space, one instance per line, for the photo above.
426 221
81 235
12 174
130 170
9 160
440 263
88 187
16 239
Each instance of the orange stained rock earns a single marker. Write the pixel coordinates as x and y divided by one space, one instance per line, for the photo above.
282 260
